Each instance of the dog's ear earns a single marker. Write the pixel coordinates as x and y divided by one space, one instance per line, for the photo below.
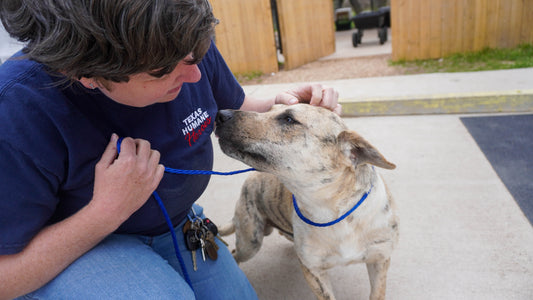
360 151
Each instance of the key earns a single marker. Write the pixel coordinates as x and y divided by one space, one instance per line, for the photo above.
214 229
198 223
211 249
211 246
194 265
191 240
210 226
191 225
211 238
186 226
203 249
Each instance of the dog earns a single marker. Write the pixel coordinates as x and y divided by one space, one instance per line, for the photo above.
308 159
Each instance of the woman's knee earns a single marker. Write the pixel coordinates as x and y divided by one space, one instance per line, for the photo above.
121 266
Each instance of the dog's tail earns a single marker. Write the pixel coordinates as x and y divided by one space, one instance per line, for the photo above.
227 229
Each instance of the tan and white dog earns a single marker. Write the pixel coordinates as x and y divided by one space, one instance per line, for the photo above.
310 153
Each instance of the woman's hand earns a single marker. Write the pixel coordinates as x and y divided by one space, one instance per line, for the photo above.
124 183
314 94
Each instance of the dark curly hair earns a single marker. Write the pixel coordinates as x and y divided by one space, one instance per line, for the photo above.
110 39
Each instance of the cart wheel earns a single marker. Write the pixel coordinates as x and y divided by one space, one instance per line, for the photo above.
355 39
382 33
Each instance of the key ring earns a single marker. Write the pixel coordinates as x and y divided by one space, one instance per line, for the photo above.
194 218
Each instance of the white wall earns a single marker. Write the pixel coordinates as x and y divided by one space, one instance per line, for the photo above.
8 46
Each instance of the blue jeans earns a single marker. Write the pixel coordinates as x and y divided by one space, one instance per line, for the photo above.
141 267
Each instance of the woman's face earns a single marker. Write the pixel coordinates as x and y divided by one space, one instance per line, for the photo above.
144 89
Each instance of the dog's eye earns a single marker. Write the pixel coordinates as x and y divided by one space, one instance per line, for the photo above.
287 119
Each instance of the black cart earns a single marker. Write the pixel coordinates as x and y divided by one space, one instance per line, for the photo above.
371 19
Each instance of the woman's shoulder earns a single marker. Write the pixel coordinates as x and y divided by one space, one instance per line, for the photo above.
18 70
31 104
25 82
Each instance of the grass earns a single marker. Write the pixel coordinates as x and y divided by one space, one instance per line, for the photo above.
248 75
486 59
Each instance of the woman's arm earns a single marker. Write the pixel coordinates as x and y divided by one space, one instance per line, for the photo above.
52 250
122 186
314 94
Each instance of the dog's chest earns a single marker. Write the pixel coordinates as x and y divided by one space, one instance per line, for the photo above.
328 247
348 251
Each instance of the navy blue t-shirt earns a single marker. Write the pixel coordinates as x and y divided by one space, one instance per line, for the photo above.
51 138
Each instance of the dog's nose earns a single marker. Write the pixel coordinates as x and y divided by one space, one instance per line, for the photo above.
224 116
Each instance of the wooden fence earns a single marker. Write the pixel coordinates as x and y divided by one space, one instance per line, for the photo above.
246 38
423 29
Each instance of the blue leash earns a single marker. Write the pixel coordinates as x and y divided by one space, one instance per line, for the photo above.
165 213
306 220
202 172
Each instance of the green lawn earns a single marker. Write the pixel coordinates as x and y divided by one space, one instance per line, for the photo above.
487 59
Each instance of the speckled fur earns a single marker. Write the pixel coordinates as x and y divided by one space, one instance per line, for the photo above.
309 152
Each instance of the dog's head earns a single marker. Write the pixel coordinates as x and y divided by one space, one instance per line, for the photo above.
290 139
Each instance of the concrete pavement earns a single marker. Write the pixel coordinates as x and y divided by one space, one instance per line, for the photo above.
469 92
462 235
369 46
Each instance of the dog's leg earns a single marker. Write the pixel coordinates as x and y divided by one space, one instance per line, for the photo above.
248 241
377 272
250 226
319 282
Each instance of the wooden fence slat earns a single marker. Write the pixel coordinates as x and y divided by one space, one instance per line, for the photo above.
413 35
526 35
425 28
459 32
504 17
398 25
480 24
469 26
435 30
448 26
515 22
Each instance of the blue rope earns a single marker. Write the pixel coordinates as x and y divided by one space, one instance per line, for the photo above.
203 172
165 213
174 238
306 220
194 172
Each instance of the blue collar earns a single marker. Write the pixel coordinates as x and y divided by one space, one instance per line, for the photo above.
306 220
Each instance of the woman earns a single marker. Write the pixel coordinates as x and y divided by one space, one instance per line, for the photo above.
77 218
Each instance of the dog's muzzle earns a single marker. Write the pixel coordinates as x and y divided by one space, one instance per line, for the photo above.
223 116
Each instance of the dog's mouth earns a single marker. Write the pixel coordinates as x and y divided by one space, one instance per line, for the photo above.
256 157
242 153
236 143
